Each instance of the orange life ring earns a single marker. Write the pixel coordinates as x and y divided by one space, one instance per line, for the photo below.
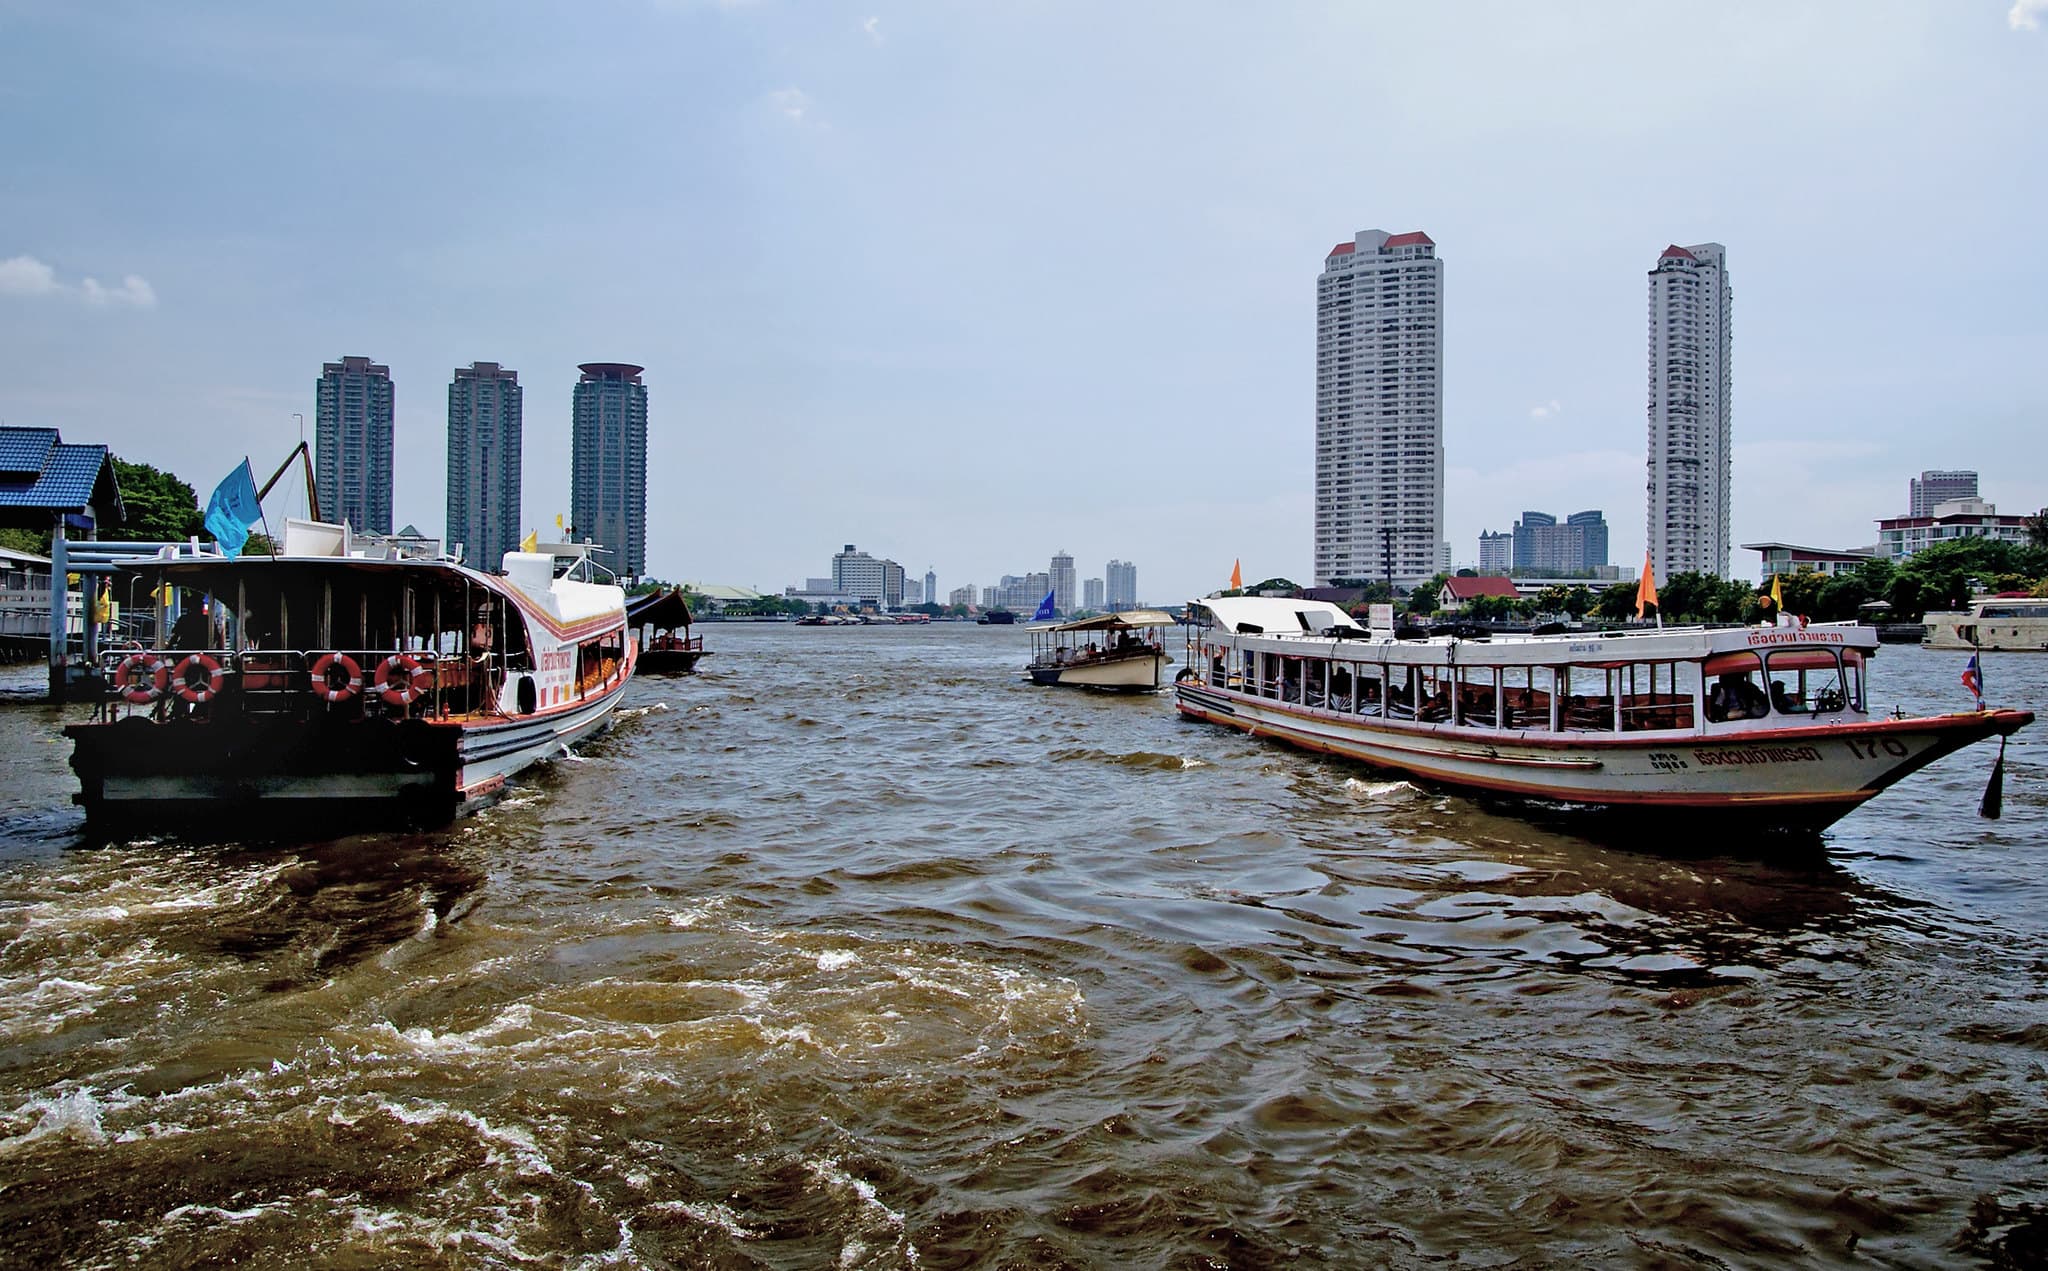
323 676
196 693
394 691
142 678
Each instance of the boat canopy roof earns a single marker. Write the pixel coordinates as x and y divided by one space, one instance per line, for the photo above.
663 610
1129 620
1278 615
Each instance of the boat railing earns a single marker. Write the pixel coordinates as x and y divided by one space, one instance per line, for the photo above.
202 684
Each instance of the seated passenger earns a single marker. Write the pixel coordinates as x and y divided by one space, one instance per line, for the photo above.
1782 701
1735 696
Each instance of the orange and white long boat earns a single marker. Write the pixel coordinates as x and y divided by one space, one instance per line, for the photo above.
347 680
1767 727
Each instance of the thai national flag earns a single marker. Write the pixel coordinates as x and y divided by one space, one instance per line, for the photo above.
1973 679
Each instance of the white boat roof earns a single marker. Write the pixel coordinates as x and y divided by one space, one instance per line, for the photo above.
1279 615
1125 621
1278 624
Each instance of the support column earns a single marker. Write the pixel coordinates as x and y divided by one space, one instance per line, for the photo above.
60 591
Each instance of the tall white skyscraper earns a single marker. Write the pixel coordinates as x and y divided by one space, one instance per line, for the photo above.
1064 592
1690 387
1121 585
1379 409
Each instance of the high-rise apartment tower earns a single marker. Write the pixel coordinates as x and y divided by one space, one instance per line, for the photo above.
608 464
1690 390
1379 409
1120 585
484 439
1930 488
1064 589
352 443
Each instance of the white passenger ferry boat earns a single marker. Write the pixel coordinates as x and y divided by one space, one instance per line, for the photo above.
344 682
1121 652
1993 624
1760 726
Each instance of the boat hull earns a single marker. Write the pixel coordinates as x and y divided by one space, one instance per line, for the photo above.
1141 674
1802 779
1966 633
669 661
238 773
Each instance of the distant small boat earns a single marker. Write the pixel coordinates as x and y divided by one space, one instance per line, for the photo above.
997 618
664 652
1119 651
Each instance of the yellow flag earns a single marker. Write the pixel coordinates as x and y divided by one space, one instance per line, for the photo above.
531 543
1237 575
1646 590
558 522
1777 597
103 610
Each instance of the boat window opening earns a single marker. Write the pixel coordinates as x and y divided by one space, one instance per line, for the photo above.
1652 697
1478 701
1370 694
1852 671
1796 686
1290 679
1525 697
1401 692
1586 699
1433 700
1343 689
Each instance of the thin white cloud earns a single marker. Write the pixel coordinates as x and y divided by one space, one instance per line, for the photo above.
2025 15
790 103
1544 410
27 276
873 28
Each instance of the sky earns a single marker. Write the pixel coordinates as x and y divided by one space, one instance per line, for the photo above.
967 284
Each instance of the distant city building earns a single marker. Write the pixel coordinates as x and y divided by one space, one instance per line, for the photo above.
961 597
1120 586
608 464
1930 488
1690 390
1022 594
352 417
1094 595
484 442
913 590
1379 410
1900 537
877 580
1543 545
1456 593
1790 558
931 586
1496 552
1063 589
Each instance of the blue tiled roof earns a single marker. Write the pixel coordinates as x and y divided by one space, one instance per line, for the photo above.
25 451
68 478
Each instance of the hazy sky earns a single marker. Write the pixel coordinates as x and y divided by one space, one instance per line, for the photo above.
967 283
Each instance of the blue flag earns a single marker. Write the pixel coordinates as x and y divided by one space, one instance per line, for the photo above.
232 510
1044 609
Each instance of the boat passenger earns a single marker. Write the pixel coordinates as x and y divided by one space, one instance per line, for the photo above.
1782 701
1735 696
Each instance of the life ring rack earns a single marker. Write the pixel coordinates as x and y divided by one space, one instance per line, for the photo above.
142 677
322 675
401 680
194 691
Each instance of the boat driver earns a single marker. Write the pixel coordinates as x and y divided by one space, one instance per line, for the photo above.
1735 696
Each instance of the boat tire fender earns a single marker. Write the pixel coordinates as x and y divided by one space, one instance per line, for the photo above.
400 679
528 696
142 678
323 676
1183 675
197 690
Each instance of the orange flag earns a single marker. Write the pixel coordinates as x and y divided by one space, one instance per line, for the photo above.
1646 588
1237 575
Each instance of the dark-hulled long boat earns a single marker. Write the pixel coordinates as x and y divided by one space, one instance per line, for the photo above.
338 681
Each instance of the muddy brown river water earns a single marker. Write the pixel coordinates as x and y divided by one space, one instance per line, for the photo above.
854 950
